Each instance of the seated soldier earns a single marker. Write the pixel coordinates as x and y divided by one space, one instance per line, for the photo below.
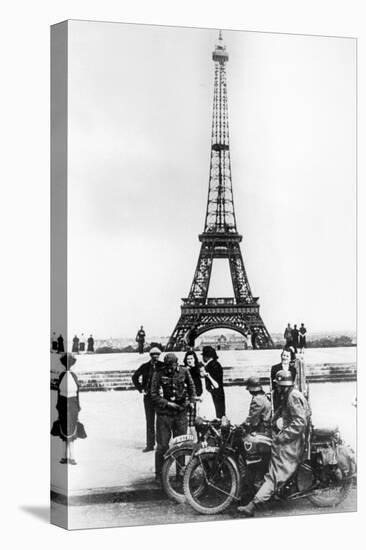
288 445
259 418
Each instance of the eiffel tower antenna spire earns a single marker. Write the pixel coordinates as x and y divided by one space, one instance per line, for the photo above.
220 238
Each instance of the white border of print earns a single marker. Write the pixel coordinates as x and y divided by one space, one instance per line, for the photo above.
25 279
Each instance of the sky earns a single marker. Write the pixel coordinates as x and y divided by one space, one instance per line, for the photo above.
139 124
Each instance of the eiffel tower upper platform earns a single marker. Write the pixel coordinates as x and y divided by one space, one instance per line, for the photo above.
220 239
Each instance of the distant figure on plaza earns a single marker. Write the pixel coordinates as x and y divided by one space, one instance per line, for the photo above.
253 338
193 365
75 344
54 344
295 338
287 364
145 373
82 343
288 336
172 391
60 344
302 340
214 379
191 336
68 427
90 348
140 339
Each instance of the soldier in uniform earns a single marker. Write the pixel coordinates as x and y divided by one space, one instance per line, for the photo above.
288 445
172 391
140 339
259 417
141 379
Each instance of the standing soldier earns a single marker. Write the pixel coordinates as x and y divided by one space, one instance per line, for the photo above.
191 336
75 344
302 342
90 344
259 417
54 344
253 338
295 338
60 344
145 372
140 339
172 391
288 336
288 445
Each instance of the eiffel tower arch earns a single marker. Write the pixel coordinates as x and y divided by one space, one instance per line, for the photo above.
220 239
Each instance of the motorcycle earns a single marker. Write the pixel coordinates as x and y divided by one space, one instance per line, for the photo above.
180 453
216 476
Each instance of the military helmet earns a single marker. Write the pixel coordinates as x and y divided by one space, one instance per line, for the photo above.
284 378
171 359
253 384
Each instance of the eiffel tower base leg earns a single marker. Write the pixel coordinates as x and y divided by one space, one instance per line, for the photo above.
249 325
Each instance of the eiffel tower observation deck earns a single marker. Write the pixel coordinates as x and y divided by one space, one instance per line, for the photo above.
220 239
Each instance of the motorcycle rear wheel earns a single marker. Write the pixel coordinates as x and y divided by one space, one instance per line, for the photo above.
333 494
225 483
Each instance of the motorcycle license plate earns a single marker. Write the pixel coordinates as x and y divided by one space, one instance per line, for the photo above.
182 438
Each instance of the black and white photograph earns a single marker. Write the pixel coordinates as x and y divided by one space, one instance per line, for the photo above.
203 335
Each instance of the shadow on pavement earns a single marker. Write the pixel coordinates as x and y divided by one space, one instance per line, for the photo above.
40 512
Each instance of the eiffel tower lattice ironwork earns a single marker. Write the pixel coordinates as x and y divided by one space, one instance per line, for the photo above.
220 239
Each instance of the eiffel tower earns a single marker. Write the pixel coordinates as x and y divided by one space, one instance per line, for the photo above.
220 239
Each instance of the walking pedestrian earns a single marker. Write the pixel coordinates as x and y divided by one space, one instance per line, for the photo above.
172 391
302 341
288 445
141 379
214 379
68 427
75 344
295 338
191 362
90 348
140 339
60 344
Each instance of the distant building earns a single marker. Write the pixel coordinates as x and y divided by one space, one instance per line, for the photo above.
222 342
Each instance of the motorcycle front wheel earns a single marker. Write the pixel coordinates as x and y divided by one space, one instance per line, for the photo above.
173 472
210 486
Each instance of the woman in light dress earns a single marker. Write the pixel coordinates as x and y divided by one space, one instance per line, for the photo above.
205 405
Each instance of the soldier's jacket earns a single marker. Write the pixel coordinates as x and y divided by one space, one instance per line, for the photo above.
287 446
295 413
175 388
259 417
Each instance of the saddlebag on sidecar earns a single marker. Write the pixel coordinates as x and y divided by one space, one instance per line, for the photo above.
329 450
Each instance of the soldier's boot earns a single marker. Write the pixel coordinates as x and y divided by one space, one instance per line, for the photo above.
247 510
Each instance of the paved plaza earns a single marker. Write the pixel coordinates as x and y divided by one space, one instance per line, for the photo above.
110 459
